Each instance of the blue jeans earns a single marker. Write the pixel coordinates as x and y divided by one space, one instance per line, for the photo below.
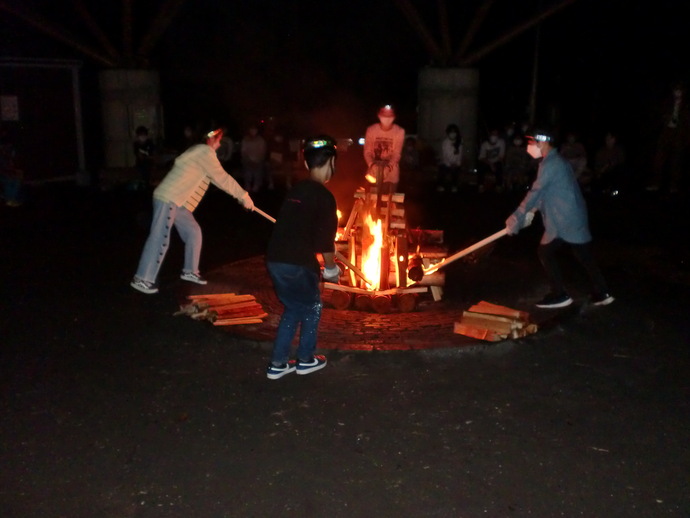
297 288
165 216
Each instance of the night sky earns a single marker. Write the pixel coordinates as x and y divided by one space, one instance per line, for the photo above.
328 65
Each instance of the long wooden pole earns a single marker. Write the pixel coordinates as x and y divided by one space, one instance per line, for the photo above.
466 251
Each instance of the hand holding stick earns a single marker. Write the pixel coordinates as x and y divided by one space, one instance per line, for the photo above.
338 255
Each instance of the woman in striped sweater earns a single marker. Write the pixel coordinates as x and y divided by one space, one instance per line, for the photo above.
174 201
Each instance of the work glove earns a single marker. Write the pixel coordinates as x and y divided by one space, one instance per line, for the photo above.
513 225
247 201
332 274
528 219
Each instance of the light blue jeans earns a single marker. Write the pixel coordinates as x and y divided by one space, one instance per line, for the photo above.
165 216
297 288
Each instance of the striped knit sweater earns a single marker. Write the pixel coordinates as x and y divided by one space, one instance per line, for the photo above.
188 180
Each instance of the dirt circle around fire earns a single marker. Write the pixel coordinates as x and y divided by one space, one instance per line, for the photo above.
429 326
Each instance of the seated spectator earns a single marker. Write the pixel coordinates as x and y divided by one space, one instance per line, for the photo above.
451 159
491 157
409 162
609 163
519 165
143 156
576 154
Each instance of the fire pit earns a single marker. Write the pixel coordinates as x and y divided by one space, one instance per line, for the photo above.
384 261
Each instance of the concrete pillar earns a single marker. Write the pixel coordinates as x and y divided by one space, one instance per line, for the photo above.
130 98
449 95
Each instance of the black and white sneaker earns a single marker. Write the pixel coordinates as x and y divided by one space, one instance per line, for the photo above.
552 301
193 277
143 286
601 299
318 362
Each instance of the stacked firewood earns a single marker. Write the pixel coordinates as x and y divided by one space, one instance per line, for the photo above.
493 323
223 309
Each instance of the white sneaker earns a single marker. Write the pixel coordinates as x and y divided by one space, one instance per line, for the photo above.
143 286
193 277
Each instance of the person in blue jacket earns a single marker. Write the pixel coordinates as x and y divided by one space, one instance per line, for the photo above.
556 194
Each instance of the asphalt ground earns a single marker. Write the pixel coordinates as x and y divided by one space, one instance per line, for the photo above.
112 407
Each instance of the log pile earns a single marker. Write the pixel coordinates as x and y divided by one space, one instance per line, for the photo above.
487 321
223 309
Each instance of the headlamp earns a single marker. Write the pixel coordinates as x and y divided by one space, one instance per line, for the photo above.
316 144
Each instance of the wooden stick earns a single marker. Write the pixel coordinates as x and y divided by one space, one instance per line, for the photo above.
245 320
466 251
352 267
212 317
494 309
213 296
222 301
228 307
262 213
254 310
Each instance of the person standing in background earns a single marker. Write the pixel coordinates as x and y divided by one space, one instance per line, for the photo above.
383 143
253 151
451 160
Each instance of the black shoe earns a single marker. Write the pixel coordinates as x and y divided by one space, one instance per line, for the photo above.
554 301
601 299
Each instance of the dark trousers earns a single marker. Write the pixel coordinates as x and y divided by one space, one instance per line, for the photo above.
448 176
582 252
297 288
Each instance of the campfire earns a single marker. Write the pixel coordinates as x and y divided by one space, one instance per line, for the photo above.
384 261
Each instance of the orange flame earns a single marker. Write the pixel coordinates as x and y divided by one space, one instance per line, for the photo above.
371 254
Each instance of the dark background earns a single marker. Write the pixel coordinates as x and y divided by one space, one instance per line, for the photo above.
318 66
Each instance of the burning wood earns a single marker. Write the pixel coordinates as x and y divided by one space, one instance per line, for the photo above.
381 252
223 309
493 323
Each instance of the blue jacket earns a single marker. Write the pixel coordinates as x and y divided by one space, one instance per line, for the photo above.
556 194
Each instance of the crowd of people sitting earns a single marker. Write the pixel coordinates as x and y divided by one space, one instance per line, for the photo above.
503 164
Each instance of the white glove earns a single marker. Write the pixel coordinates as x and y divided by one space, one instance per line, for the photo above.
528 219
247 201
332 274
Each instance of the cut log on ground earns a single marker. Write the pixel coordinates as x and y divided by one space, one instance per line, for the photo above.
243 320
363 303
382 304
341 299
407 302
223 309
492 322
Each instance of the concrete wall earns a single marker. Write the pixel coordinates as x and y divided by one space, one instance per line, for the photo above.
449 95
130 98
